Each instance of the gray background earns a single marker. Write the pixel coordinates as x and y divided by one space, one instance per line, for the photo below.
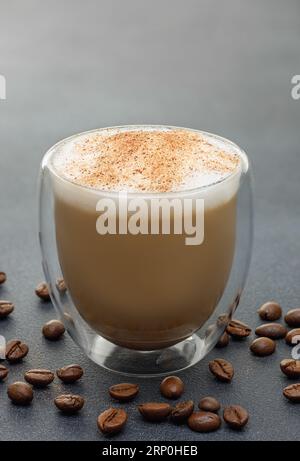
224 67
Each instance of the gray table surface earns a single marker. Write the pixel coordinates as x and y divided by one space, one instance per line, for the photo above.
224 67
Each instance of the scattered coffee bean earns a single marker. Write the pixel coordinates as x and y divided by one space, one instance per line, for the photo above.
42 291
39 377
271 330
6 308
2 277
223 341
69 403
292 318
292 392
238 329
154 411
263 346
222 370
209 404
270 311
171 387
182 411
290 368
61 285
235 416
53 330
16 351
124 392
70 373
204 421
112 421
3 372
20 393
293 337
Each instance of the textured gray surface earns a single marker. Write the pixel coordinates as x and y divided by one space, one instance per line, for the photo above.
223 67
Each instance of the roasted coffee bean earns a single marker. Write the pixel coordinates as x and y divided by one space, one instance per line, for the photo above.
209 404
223 341
182 411
70 373
6 308
204 421
293 337
39 377
270 311
290 368
154 411
2 277
238 329
20 393
112 421
292 392
3 372
271 330
171 387
53 330
16 351
263 346
69 403
42 291
124 392
235 416
222 370
292 318
61 285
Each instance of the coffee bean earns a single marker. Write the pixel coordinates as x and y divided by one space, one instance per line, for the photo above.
2 277
20 393
42 291
154 411
292 318
53 330
69 403
292 392
39 377
3 372
16 351
271 330
222 370
61 285
238 329
209 404
290 368
223 341
235 416
263 346
112 421
124 392
204 421
171 387
6 308
270 311
70 373
182 411
293 337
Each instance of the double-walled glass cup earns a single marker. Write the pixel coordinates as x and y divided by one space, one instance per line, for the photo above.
144 299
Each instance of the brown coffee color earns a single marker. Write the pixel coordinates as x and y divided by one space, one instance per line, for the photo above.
263 346
292 318
3 372
61 285
53 330
290 368
16 350
124 392
39 377
271 330
221 369
223 341
70 373
42 291
154 411
171 387
235 416
20 393
69 403
2 277
238 329
270 311
292 337
182 411
112 421
292 392
204 421
209 404
6 308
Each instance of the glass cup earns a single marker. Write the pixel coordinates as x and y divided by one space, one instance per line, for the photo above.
146 300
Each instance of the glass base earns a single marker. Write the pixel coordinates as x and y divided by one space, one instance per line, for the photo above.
147 363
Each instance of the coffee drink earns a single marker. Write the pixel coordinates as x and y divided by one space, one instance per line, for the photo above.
137 285
124 392
172 387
